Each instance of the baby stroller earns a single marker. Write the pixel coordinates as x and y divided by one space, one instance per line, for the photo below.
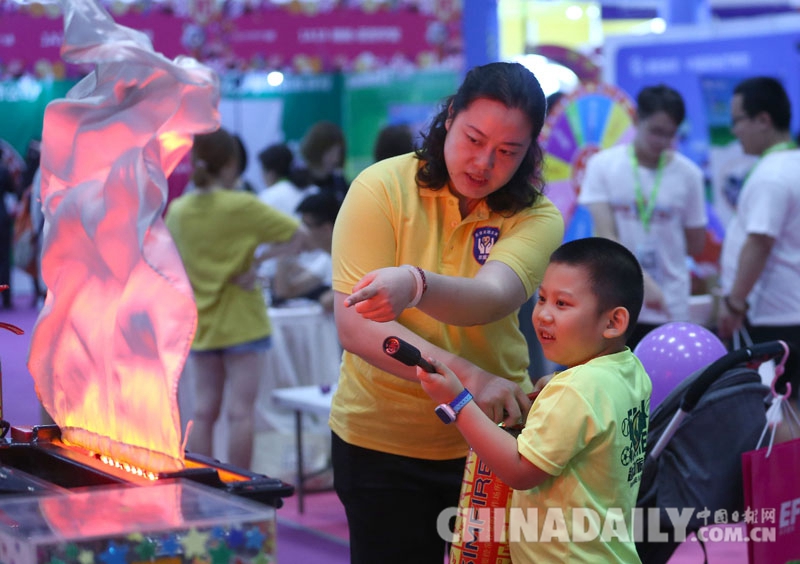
694 446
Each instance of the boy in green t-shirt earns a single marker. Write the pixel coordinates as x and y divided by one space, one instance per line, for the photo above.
576 467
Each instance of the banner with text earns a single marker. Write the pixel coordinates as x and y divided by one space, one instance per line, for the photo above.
267 37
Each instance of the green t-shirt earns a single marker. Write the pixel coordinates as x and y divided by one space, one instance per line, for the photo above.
588 428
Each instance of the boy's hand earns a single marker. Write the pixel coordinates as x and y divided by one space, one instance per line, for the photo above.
500 399
443 385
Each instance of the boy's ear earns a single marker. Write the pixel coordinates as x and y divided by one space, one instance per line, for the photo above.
618 320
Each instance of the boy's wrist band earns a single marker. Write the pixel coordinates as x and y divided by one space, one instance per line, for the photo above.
448 412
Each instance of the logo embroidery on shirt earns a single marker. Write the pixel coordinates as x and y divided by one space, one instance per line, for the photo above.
634 427
484 240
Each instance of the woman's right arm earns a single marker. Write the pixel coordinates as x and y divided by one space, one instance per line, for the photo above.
364 240
500 399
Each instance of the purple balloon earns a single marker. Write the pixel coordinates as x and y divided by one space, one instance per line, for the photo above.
674 351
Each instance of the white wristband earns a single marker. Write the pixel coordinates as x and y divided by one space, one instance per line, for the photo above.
420 288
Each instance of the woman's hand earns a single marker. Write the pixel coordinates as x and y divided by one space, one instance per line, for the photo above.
500 399
383 294
248 280
542 382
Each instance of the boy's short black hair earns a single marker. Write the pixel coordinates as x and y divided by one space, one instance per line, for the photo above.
615 275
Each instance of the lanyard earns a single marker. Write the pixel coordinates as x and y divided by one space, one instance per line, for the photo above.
646 209
782 146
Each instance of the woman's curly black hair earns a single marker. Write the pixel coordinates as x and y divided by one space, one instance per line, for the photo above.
517 88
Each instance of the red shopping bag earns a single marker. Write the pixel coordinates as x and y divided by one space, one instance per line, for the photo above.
481 528
482 513
772 500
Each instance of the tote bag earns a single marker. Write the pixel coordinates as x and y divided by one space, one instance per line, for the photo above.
772 500
772 488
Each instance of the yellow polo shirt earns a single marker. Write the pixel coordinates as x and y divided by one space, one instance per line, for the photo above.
386 220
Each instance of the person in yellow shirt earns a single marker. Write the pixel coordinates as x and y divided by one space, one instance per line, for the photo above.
439 247
583 443
216 230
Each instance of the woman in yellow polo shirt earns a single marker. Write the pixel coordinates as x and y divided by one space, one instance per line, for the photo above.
439 247
216 230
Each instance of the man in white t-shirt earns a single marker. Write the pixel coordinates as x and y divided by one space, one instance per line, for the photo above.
761 252
651 199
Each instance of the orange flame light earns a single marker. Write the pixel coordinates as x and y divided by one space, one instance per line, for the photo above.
110 343
135 470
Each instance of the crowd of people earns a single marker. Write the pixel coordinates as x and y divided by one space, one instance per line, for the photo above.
442 242
457 245
21 220
245 249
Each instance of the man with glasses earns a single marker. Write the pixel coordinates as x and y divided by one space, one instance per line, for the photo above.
651 199
761 252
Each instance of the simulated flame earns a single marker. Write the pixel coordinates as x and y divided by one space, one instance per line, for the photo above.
129 468
110 343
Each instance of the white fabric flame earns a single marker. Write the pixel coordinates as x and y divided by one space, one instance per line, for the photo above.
119 318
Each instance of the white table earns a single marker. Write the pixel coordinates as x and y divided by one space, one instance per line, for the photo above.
305 351
304 399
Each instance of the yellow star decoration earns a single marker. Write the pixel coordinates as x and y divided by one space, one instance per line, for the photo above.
194 543
136 537
86 557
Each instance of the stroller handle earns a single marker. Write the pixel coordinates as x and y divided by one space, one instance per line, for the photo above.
759 352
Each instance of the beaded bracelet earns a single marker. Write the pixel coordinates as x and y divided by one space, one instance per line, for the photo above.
421 284
424 279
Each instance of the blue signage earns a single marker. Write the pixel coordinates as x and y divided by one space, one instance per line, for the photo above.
705 71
